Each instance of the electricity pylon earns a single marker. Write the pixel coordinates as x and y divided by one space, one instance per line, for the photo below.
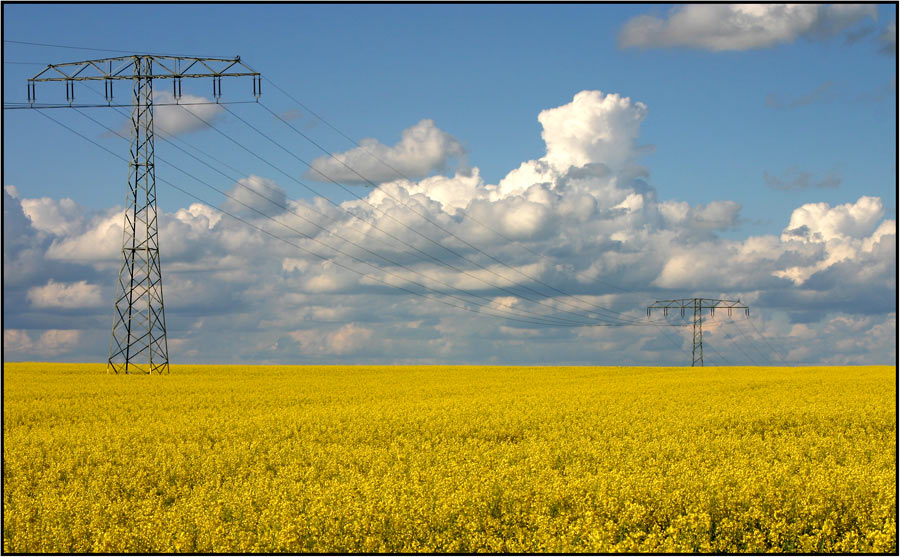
697 305
138 340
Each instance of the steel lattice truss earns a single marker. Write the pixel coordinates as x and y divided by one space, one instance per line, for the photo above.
138 340
139 322
697 305
146 67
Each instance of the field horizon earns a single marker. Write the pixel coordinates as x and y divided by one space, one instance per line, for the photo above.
450 459
350 366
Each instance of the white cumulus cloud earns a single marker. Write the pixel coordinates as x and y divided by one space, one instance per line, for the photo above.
582 218
56 217
189 114
423 148
99 239
344 340
853 239
48 343
65 295
820 221
719 27
593 128
254 195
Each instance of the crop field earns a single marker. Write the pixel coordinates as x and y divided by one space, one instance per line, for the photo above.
438 459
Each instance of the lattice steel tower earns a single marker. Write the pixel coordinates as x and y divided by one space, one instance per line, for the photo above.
697 305
138 340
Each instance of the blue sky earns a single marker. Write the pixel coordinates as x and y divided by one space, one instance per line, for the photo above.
804 115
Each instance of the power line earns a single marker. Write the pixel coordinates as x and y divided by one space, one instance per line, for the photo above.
415 231
713 348
569 321
401 174
338 206
435 224
320 256
707 345
669 336
619 322
37 106
776 352
754 345
471 218
542 319
425 217
474 247
697 305
505 315
733 341
70 47
546 318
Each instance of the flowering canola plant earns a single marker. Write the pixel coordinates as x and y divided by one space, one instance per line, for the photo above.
449 459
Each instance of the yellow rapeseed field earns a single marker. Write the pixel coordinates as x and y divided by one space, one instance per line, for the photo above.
438 459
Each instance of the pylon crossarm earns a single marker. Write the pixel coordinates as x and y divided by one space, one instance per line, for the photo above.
689 303
206 67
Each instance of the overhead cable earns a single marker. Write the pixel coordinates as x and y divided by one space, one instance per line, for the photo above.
314 254
374 225
545 319
401 174
70 47
423 216
209 124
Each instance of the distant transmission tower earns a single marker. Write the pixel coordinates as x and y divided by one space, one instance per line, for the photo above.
138 341
697 305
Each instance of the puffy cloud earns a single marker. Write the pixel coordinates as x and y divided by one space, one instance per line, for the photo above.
423 148
857 246
56 217
827 254
235 294
49 343
594 136
18 231
715 215
343 340
25 262
188 116
99 239
821 222
593 128
516 217
841 340
199 215
65 295
719 27
254 195
452 193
